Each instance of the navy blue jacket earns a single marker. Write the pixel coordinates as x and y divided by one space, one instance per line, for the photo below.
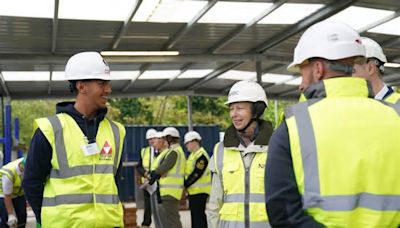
38 161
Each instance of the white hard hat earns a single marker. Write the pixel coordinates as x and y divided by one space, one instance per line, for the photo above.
249 91
171 131
150 133
87 65
328 40
191 135
159 134
373 49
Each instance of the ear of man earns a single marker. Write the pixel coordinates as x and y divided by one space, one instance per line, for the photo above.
81 87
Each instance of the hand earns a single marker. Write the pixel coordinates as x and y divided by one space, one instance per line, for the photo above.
153 177
12 221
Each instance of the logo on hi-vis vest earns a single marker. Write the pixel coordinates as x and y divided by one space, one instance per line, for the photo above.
106 152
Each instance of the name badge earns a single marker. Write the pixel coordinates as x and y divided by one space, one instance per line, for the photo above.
90 149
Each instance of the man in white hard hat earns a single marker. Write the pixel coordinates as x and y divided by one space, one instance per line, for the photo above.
237 193
74 159
373 70
146 156
168 170
197 179
326 160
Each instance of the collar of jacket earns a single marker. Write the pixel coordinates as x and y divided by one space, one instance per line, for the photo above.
265 129
68 107
343 86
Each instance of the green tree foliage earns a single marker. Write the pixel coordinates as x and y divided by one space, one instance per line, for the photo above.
27 111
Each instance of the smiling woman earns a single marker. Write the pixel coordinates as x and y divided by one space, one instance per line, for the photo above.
238 162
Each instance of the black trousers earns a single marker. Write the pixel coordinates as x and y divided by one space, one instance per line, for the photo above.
197 204
147 209
19 204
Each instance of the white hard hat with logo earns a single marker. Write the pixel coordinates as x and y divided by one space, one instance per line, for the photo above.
247 91
191 135
171 131
87 65
328 40
373 49
150 133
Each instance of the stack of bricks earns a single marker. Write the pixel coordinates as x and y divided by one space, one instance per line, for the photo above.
130 216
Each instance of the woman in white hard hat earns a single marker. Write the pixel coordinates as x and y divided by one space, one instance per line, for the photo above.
197 179
169 169
237 195
146 156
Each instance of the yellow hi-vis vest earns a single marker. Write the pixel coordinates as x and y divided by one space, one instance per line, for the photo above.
10 170
393 98
346 157
244 198
203 184
146 159
81 190
171 183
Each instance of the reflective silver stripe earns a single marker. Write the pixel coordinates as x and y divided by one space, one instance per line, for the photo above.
117 139
239 198
236 224
171 186
82 170
220 157
396 106
178 168
67 199
107 199
220 162
365 200
312 193
79 199
64 170
59 143
201 184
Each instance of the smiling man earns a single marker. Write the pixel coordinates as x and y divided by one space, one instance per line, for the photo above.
74 158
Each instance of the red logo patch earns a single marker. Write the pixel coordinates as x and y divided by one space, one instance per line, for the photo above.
106 150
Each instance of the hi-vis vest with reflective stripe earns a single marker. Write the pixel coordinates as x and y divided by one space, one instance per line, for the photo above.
346 157
81 190
172 182
244 198
10 170
146 159
203 184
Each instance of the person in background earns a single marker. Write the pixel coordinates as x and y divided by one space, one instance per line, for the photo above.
74 159
373 70
12 200
326 160
146 157
197 179
237 194
168 170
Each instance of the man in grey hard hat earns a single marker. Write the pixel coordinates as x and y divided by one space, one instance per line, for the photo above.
373 70
75 156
